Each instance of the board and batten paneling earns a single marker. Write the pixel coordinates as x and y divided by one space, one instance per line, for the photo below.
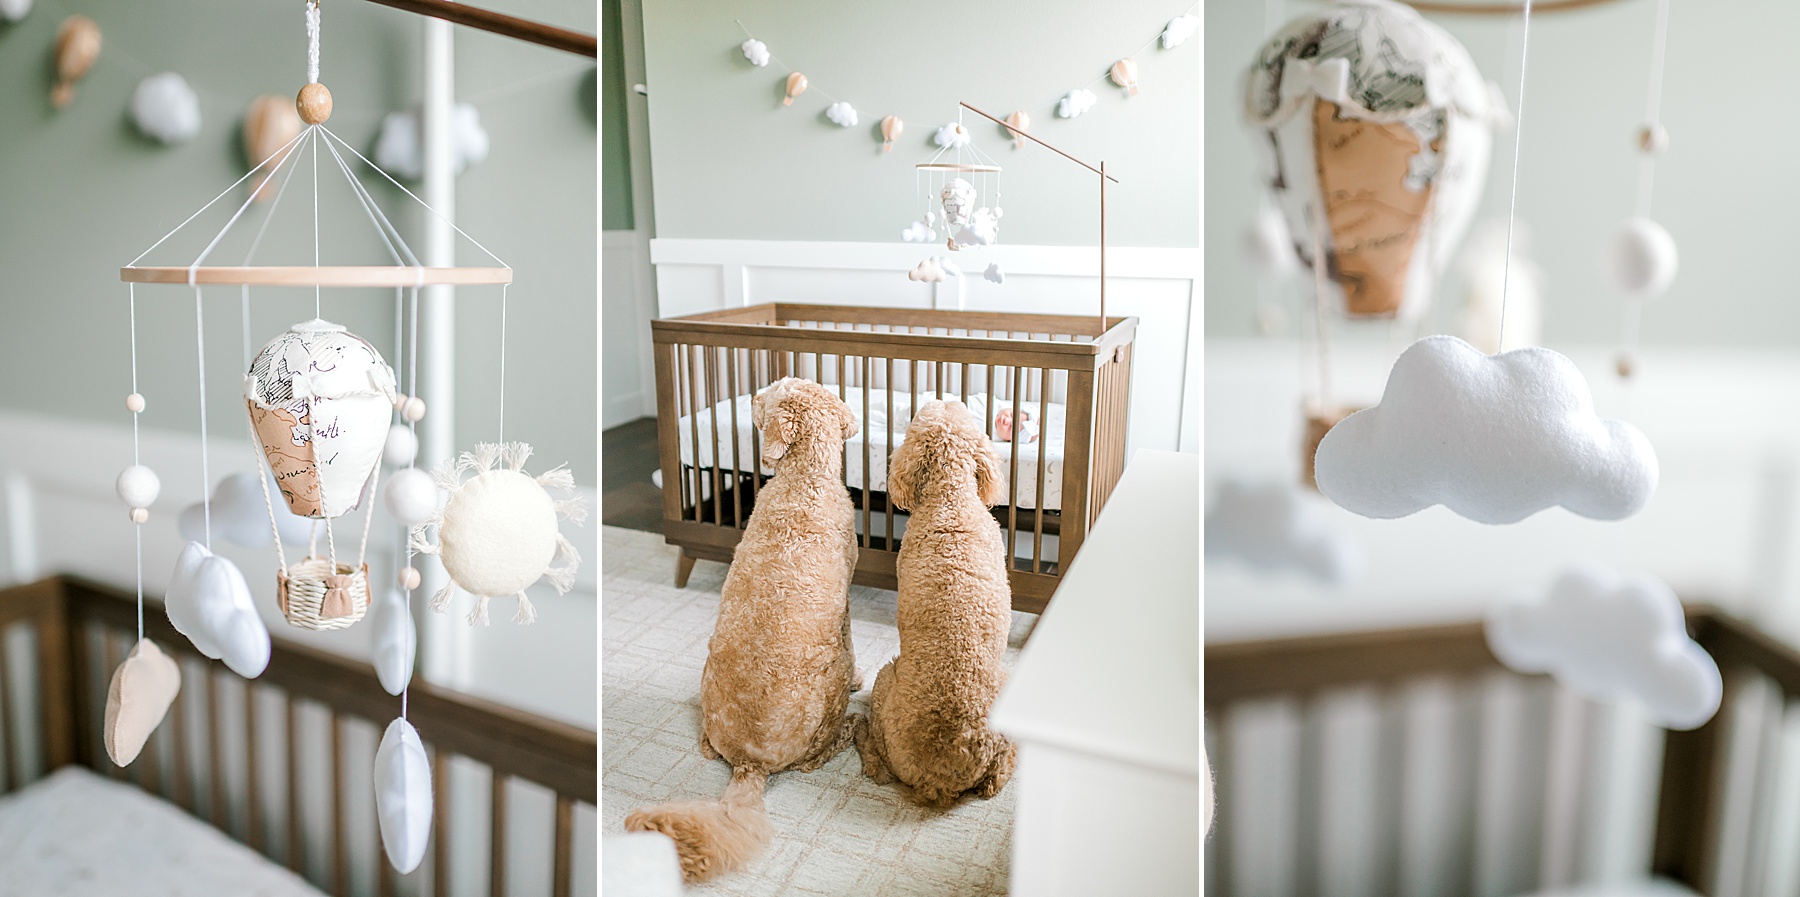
1158 285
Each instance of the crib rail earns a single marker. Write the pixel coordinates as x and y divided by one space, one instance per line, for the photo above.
1024 365
311 700
1726 821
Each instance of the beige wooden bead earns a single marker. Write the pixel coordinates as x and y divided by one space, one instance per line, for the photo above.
413 409
134 403
140 515
409 578
314 104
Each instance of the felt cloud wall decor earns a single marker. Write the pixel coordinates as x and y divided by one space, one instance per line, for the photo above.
756 51
14 10
841 114
209 602
397 148
1610 638
1276 527
1179 30
240 517
403 795
165 108
1075 102
1495 438
139 696
951 136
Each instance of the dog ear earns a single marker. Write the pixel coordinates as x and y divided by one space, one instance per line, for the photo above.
990 480
780 432
901 486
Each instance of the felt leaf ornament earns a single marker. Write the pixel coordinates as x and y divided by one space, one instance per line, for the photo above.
270 123
77 47
165 108
796 85
1125 74
756 51
209 602
841 114
498 532
1611 638
1377 158
1495 438
319 393
1276 527
139 696
891 127
393 641
403 795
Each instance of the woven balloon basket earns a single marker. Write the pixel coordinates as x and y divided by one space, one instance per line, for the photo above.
315 595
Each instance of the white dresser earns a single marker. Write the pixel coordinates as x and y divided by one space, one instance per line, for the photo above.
1105 702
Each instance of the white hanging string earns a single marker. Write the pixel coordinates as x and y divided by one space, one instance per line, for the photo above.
205 471
503 287
390 235
136 458
279 157
1653 107
318 300
1512 208
341 142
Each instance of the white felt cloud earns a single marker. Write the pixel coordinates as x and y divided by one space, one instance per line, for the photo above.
209 602
1609 638
1495 438
397 149
141 691
994 273
166 108
1179 30
14 10
1641 258
393 641
1076 102
240 517
403 795
498 533
951 136
756 51
916 232
1278 527
950 268
926 271
982 228
842 114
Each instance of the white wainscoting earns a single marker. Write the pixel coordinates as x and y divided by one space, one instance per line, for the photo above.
627 303
1159 286
61 515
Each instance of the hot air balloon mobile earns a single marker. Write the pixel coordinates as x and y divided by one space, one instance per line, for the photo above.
320 401
959 190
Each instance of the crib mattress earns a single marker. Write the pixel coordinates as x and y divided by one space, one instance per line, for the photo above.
1050 441
1648 887
76 834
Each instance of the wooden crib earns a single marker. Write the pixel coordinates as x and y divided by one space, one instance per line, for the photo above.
1726 809
1065 372
51 708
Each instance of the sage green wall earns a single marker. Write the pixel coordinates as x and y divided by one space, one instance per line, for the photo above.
615 151
81 193
731 162
1721 189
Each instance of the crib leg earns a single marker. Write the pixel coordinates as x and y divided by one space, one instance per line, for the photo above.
684 565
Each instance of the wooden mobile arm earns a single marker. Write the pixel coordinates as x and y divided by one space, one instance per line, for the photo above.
501 24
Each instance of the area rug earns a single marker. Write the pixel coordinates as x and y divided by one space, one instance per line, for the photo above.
836 832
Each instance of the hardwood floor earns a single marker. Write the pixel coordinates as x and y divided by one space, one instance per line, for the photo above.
627 497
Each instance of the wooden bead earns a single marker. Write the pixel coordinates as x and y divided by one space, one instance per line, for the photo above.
134 403
1625 366
409 578
140 515
413 409
314 104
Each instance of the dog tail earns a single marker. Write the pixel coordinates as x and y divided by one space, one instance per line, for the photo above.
713 837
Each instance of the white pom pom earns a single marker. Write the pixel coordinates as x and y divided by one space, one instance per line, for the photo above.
138 486
410 496
165 107
401 446
1641 258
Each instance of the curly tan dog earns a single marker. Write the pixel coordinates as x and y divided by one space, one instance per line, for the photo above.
779 670
927 720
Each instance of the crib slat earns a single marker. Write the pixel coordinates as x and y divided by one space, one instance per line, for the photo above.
255 838
109 661
844 449
711 392
756 384
1043 466
962 383
340 865
440 820
868 537
12 773
737 461
178 753
497 838
565 846
294 841
215 786
889 503
687 362
1012 479
668 431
